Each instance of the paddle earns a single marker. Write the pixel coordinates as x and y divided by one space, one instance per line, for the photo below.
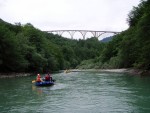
33 81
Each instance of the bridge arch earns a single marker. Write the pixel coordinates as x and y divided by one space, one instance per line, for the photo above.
96 34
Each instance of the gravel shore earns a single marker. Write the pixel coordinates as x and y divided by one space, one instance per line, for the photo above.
129 71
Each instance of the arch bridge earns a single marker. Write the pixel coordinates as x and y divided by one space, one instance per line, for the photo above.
82 32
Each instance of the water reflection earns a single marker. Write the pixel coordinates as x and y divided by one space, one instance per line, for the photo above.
41 90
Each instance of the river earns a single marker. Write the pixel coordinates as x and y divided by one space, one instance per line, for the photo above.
77 92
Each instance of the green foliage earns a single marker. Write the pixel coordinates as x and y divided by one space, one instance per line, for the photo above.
131 47
136 14
86 64
10 57
27 49
111 49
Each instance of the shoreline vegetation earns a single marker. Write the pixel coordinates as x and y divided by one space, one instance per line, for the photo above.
128 71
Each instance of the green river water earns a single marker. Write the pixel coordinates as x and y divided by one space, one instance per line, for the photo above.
77 92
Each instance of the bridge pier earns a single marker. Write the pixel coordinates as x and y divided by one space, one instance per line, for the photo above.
71 33
83 33
97 34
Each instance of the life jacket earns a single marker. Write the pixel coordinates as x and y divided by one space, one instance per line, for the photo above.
38 79
47 78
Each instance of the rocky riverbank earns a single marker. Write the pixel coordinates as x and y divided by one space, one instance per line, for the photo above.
138 72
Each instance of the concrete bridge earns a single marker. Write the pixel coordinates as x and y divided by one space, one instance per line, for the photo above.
82 32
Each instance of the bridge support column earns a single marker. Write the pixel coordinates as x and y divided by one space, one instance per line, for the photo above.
83 33
60 33
71 33
97 34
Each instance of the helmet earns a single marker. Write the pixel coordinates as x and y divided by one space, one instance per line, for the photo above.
38 75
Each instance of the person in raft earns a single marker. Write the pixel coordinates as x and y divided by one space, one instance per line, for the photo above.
38 78
48 77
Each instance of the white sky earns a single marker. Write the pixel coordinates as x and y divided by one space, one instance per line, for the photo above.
69 14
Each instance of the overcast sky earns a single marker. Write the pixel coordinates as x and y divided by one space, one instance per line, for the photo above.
69 14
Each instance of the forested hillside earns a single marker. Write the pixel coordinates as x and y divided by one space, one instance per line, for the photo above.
131 48
24 48
107 39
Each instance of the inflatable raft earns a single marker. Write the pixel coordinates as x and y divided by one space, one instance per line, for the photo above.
44 83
